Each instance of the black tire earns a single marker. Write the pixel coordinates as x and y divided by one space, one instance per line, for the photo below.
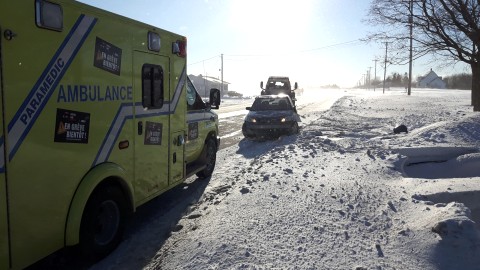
209 159
245 133
103 222
295 129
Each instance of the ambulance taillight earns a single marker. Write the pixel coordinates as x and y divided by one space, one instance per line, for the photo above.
179 47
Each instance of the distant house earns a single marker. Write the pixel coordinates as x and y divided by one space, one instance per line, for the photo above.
431 80
203 84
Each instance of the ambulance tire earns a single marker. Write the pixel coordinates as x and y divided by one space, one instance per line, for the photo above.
103 222
209 159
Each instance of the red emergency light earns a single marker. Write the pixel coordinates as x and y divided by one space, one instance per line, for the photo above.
179 47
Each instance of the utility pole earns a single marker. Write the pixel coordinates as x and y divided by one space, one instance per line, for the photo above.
369 75
472 95
410 21
375 76
221 86
385 69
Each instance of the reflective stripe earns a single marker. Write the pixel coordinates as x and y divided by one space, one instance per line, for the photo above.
193 117
41 92
126 112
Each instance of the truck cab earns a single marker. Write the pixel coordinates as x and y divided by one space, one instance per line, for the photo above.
277 85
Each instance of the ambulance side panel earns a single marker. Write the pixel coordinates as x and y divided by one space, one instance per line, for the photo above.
4 252
71 103
4 237
57 114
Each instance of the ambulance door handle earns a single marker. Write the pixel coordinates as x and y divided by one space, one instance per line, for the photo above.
181 140
140 127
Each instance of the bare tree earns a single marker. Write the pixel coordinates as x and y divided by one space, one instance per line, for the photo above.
447 29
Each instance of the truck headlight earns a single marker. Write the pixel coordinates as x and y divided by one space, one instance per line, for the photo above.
287 119
250 119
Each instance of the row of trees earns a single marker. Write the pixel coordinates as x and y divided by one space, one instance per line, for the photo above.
457 81
446 29
397 80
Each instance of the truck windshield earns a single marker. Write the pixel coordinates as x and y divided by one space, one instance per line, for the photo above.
277 85
271 104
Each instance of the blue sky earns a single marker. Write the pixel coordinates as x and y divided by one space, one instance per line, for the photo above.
312 41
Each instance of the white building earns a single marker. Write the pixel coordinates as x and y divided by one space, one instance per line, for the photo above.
431 80
203 84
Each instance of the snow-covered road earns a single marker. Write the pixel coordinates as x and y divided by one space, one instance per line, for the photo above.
232 112
340 195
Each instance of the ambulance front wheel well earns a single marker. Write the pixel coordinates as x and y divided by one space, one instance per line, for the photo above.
209 155
100 177
115 181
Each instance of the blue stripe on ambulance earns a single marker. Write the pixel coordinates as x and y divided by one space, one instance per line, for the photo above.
38 97
126 112
197 116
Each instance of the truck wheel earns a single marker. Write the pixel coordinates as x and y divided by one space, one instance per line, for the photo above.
103 222
295 128
210 157
245 133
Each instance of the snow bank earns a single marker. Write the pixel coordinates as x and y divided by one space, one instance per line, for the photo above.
340 194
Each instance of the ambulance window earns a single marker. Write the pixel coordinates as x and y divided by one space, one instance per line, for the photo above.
49 15
191 93
194 101
153 42
152 86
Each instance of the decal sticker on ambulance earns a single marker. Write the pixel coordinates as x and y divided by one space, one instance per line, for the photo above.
72 126
107 56
192 131
153 133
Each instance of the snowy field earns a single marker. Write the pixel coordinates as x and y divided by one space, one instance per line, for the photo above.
346 193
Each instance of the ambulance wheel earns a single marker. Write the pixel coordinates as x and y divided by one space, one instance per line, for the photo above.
209 158
103 222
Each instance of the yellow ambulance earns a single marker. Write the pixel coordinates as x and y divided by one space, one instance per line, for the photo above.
98 117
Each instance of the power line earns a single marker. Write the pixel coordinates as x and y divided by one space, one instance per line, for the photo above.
333 45
297 52
204 60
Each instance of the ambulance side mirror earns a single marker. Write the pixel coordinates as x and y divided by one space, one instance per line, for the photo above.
296 86
214 98
261 84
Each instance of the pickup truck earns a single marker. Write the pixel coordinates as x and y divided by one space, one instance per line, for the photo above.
277 85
